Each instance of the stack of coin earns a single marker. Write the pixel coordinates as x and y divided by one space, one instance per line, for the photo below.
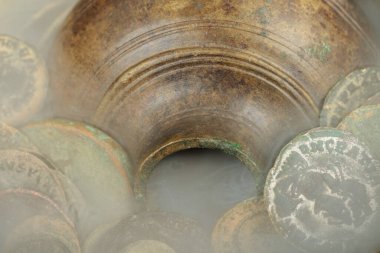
95 165
40 234
323 193
146 232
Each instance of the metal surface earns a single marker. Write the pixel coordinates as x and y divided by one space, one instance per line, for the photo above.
93 161
348 94
23 81
41 234
246 228
323 193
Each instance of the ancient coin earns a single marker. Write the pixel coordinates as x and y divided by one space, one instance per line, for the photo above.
246 228
42 234
23 81
11 138
178 233
348 94
374 100
20 169
148 246
18 205
323 193
364 123
95 164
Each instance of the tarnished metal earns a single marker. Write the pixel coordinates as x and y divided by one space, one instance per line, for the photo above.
246 228
181 234
365 124
18 205
23 170
42 234
348 94
23 81
323 193
11 138
94 162
241 76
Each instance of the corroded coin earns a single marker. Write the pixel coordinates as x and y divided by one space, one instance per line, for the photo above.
23 81
348 94
11 138
180 234
374 100
42 234
18 205
148 246
323 193
364 123
20 169
246 228
95 164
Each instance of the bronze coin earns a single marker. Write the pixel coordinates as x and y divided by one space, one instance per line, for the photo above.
23 81
11 138
148 246
323 193
17 205
247 228
94 162
42 234
178 233
348 94
20 169
364 123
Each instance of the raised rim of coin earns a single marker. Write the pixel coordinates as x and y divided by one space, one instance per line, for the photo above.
94 162
46 228
21 169
21 63
25 204
146 246
348 94
12 138
318 173
228 235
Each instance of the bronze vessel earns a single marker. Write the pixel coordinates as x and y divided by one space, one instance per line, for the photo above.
242 76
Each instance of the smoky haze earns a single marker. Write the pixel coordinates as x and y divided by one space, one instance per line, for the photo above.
200 184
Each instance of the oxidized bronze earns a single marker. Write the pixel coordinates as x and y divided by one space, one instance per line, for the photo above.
23 170
23 81
178 233
323 193
247 228
241 76
11 138
41 234
349 94
365 124
94 162
18 205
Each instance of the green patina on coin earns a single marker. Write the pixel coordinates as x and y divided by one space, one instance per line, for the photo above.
364 123
374 100
11 138
95 163
246 228
323 193
20 169
180 234
40 234
348 94
18 205
23 81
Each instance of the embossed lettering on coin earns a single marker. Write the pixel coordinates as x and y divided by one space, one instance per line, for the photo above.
323 192
23 81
